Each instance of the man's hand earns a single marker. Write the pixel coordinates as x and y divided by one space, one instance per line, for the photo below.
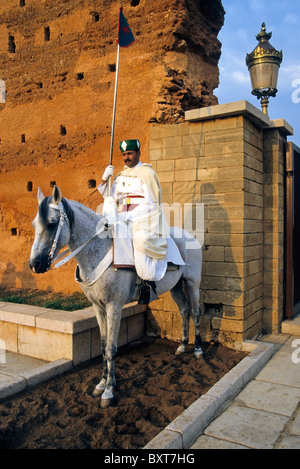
109 171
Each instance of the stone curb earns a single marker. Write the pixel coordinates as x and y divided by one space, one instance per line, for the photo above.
182 432
14 385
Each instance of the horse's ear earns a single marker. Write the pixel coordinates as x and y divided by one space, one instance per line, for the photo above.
56 195
40 195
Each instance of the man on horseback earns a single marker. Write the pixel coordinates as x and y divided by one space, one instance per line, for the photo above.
135 199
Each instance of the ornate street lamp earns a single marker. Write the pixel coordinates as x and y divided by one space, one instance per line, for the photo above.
263 65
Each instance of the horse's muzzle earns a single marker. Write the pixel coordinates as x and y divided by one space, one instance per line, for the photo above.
38 266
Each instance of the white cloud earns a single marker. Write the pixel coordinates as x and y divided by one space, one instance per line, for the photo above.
258 5
290 18
240 77
289 73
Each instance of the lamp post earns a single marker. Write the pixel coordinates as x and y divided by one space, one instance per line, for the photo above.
263 64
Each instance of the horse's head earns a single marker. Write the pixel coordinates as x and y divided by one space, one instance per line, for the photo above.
52 226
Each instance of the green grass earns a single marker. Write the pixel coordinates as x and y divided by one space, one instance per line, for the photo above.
45 299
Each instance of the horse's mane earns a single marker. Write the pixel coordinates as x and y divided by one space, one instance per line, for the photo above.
44 206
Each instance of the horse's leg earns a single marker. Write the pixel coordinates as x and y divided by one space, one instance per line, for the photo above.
193 296
113 317
181 301
101 319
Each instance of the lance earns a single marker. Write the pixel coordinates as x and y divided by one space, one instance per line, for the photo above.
114 116
125 39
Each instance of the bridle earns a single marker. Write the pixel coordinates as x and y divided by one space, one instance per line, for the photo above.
54 263
62 218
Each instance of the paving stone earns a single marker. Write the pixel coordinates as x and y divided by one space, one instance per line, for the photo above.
281 369
291 327
208 442
294 424
14 364
289 442
249 427
267 396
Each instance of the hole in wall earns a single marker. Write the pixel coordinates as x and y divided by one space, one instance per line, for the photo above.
29 186
52 183
11 44
80 76
47 33
22 3
112 67
92 183
134 3
95 16
63 130
213 309
23 138
14 231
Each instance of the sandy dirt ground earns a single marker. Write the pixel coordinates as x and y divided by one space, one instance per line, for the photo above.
153 387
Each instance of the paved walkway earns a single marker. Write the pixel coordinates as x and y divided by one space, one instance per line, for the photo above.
266 413
18 372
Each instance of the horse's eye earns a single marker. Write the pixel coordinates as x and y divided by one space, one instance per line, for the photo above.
52 224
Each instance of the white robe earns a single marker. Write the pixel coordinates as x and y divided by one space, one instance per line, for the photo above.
147 267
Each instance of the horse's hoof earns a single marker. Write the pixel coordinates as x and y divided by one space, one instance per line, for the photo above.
107 398
97 392
180 350
105 403
198 353
99 389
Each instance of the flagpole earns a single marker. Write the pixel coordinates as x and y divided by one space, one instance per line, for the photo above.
115 104
114 111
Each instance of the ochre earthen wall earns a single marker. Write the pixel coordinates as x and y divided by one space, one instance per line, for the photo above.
57 60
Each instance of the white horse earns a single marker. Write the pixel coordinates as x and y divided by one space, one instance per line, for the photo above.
59 223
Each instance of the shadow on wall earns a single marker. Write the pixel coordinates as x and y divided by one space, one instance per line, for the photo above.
11 275
221 283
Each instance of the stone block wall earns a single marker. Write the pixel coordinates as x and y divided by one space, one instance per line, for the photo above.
227 161
52 334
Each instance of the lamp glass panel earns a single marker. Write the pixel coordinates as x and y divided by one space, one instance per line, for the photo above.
264 75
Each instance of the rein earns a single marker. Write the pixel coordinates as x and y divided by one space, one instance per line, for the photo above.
58 263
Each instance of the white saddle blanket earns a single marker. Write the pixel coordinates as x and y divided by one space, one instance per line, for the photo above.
123 252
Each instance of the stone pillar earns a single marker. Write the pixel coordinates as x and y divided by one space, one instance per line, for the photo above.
274 180
229 160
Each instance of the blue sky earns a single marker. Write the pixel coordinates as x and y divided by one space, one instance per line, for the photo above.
243 21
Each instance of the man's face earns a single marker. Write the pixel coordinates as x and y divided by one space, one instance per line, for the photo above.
131 158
